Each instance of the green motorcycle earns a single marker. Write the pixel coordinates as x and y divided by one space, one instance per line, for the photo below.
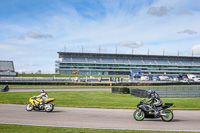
145 110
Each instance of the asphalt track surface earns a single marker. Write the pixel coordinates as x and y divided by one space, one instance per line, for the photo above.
96 118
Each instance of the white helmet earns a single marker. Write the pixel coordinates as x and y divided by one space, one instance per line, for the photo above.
42 91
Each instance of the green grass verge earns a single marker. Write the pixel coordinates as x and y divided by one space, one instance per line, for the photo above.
95 99
7 128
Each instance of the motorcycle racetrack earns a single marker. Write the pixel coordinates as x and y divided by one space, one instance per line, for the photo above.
184 120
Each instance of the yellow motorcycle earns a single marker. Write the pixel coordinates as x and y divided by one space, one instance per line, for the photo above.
37 104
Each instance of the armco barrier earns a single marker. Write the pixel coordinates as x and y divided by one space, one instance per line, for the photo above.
139 92
123 90
94 84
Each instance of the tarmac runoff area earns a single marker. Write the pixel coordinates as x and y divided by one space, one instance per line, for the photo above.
97 118
94 118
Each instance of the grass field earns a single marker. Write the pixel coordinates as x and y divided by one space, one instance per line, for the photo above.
95 99
5 128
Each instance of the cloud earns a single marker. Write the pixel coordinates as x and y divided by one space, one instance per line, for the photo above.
17 37
188 31
38 35
158 11
31 34
183 11
196 49
131 44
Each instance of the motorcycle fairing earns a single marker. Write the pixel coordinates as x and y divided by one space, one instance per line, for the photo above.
49 100
38 100
34 101
167 105
146 108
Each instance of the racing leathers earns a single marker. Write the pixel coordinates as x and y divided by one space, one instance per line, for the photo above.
43 96
155 101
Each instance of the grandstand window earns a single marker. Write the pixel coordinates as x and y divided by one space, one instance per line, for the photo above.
67 59
78 59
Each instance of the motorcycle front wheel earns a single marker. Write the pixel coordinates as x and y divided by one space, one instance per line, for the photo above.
167 115
49 107
29 107
138 115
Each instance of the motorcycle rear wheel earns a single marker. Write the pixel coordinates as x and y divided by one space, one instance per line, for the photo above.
138 116
49 107
29 107
168 115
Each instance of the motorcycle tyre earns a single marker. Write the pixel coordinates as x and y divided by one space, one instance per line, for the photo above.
167 120
50 109
135 113
29 104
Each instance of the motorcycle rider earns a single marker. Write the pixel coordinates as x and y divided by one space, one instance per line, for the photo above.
43 96
154 97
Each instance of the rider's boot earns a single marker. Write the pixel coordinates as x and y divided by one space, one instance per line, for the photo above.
37 105
157 112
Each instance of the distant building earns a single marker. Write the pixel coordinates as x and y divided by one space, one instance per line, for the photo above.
122 64
7 68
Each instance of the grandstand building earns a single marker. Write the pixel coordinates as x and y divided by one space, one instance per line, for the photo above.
122 64
7 69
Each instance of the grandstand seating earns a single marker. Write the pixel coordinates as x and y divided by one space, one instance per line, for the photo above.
93 60
78 59
67 59
127 61
149 61
122 60
7 68
196 62
187 62
175 62
164 62
136 61
6 65
108 60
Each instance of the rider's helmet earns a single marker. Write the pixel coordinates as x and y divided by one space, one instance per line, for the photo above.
150 92
42 91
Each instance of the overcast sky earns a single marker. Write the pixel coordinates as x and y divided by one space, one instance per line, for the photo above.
33 31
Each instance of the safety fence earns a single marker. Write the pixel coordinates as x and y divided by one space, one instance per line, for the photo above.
174 92
164 92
